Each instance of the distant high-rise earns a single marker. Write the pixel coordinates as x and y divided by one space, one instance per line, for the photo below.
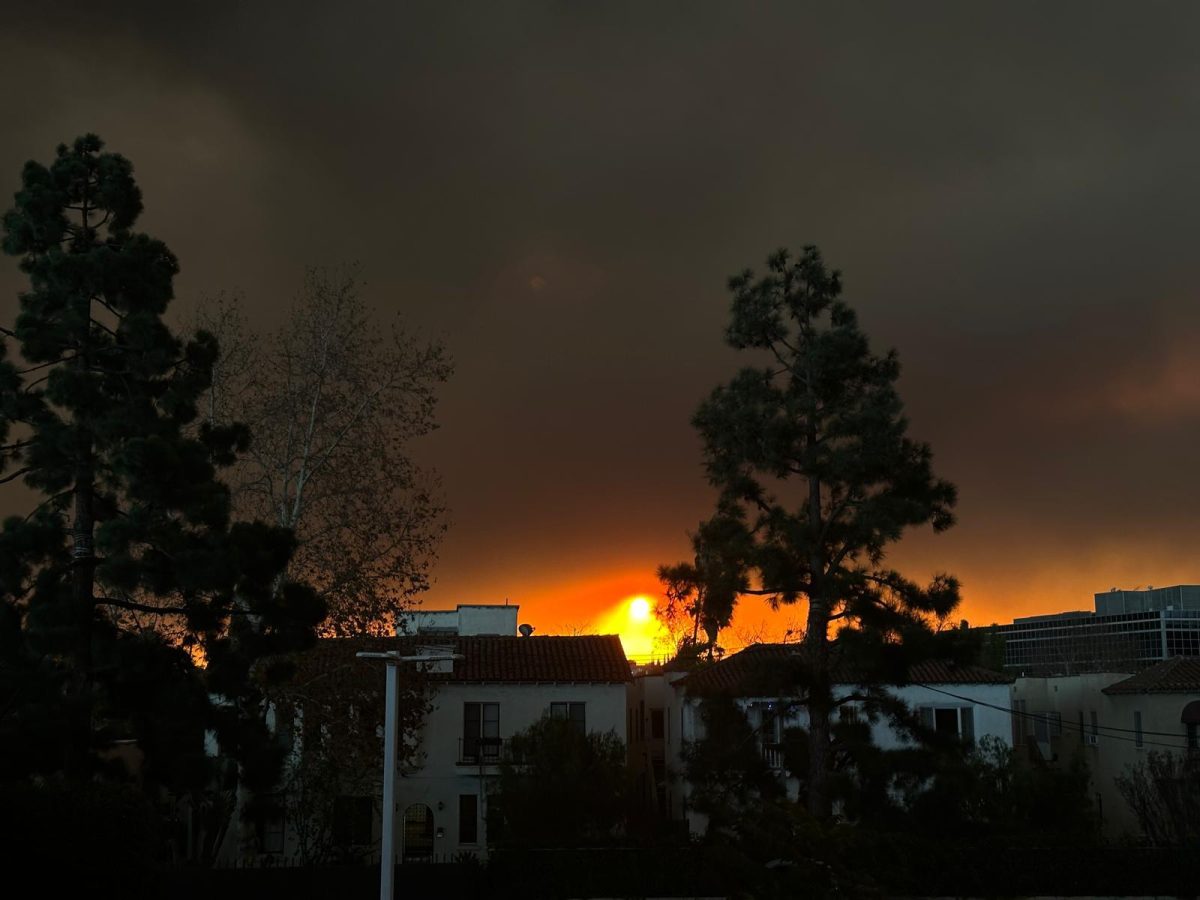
1128 631
1150 599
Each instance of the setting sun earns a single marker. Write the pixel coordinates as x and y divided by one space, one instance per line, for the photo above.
639 609
633 619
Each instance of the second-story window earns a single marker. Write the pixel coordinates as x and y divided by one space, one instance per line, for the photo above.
959 721
575 713
656 724
481 732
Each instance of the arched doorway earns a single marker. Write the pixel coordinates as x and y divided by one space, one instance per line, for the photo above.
1191 722
418 832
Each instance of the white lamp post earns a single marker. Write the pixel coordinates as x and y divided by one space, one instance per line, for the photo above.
387 857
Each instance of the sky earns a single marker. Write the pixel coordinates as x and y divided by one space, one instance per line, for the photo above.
559 191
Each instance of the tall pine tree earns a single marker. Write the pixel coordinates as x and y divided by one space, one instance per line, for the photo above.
816 478
127 568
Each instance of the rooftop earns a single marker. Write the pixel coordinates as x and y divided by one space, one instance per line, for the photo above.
592 658
766 669
1178 675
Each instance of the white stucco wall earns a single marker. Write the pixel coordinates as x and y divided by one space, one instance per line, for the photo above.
983 698
437 778
1113 749
980 697
648 694
465 619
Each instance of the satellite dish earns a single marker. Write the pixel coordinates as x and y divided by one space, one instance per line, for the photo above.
526 630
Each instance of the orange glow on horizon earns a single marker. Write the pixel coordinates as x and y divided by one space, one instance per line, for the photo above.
994 591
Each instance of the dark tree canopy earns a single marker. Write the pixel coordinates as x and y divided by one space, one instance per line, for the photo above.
560 787
127 566
809 451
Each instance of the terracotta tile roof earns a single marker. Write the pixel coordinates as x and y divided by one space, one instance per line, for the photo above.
1179 675
766 669
591 658
940 671
759 669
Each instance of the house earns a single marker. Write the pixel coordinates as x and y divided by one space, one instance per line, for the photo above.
664 714
502 686
1111 721
458 736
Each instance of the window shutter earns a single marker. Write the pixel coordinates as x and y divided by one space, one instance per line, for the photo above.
927 717
967 722
491 720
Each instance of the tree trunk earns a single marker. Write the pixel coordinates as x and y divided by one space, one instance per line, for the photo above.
83 600
820 705
816 646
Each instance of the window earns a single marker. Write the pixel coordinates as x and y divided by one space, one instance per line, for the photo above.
1020 723
269 825
656 724
954 721
272 834
481 732
1095 724
572 712
1046 725
283 722
1137 729
353 820
772 726
1191 720
468 818
967 724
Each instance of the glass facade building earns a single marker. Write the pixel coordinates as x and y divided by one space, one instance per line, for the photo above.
1128 631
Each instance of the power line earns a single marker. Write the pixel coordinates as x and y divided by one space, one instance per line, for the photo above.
1071 726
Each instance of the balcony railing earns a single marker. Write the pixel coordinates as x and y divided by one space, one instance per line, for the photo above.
484 751
773 754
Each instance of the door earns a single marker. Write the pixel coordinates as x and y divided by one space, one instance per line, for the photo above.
418 832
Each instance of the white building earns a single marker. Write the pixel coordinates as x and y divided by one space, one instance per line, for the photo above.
502 685
465 619
664 714
1111 721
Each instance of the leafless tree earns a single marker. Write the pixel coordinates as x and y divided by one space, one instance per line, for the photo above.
334 399
1163 790
334 712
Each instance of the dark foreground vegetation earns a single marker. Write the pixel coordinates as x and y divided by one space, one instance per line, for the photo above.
895 867
860 865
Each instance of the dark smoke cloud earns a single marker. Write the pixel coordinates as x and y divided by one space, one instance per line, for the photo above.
562 189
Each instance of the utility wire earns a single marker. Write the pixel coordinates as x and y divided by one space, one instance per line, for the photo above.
1072 726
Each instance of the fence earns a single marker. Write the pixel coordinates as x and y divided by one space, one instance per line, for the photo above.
888 865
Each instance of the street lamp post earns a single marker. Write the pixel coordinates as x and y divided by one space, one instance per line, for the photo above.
387 856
